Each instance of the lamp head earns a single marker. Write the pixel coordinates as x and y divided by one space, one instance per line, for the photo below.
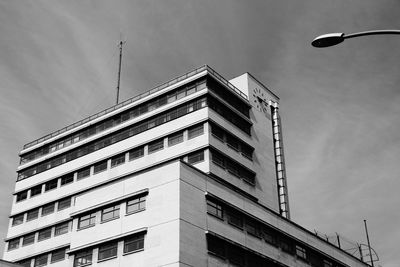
329 39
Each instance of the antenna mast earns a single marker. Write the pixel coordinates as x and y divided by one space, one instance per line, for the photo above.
119 68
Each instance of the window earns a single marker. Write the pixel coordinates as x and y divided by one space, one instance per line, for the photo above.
32 215
136 153
44 234
83 258
286 245
25 263
216 246
246 151
218 159
136 204
61 229
301 252
13 244
270 237
196 157
233 168
83 173
100 166
134 243
195 131
58 255
69 178
18 219
217 132
175 139
51 185
327 263
22 195
47 209
214 209
253 228
156 145
110 213
37 190
235 219
232 142
64 203
108 250
87 220
117 160
28 239
236 255
41 260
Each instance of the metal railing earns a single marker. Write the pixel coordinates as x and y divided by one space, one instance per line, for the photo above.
135 98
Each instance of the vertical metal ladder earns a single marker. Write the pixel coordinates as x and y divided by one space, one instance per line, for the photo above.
279 161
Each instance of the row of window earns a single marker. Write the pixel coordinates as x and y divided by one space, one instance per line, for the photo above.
154 146
114 137
44 259
232 141
230 116
228 96
47 209
232 167
40 235
261 231
109 250
110 212
115 120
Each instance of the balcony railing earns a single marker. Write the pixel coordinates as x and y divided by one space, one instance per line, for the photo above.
136 98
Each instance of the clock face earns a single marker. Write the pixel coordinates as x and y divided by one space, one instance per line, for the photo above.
260 100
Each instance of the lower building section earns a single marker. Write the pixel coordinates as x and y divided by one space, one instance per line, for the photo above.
173 214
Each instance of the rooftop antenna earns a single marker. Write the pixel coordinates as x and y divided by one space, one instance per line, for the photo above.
121 43
369 245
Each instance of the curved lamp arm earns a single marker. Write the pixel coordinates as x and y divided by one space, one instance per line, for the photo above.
332 39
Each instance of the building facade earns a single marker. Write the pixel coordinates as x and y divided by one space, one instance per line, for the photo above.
190 173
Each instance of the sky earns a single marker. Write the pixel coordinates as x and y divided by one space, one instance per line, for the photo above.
339 106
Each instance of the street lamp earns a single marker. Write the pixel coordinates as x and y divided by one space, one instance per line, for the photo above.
332 39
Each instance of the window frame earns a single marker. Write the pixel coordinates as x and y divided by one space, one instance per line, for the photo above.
43 256
195 131
214 206
48 186
15 220
57 252
61 226
136 153
14 243
47 234
91 218
29 214
155 146
137 240
31 239
87 255
21 196
83 173
175 138
35 190
140 201
110 247
118 160
195 157
63 203
66 179
100 166
114 210
45 212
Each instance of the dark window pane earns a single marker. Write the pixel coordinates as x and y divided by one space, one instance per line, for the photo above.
32 214
69 178
117 160
61 229
215 209
41 260
136 153
156 145
13 244
87 220
110 213
64 203
99 167
58 255
44 234
108 250
83 258
37 190
136 204
175 139
51 185
28 239
195 131
83 173
235 219
133 243
22 195
196 157
18 219
47 209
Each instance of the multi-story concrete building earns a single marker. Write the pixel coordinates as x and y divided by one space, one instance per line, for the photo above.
190 173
